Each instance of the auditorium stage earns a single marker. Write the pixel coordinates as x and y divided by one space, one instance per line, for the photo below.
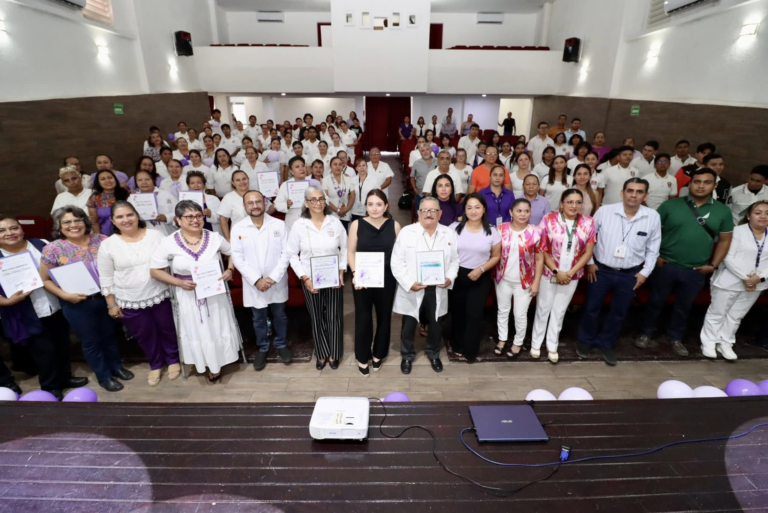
259 457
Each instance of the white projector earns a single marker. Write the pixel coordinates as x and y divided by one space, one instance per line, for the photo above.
340 418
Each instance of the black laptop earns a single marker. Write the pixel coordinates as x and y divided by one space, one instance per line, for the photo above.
507 424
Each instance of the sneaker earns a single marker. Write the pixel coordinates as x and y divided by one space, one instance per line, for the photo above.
286 356
708 352
678 348
727 351
260 361
582 351
645 342
553 357
609 356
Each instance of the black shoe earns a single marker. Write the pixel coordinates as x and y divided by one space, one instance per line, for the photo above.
334 364
609 356
111 385
75 382
437 365
286 356
123 374
260 361
365 372
582 351
13 386
57 394
405 366
320 364
377 365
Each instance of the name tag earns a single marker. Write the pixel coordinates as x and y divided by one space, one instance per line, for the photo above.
621 252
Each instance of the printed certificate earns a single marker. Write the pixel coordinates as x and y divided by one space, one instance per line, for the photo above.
196 196
325 271
369 269
206 275
296 192
269 184
19 272
74 279
431 267
145 204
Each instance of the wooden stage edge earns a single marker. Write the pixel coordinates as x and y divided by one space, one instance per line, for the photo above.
123 457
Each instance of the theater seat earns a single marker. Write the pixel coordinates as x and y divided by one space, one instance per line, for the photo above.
243 44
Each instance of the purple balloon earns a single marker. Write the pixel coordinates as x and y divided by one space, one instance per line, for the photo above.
39 395
208 162
397 397
215 124
764 386
81 395
435 148
171 137
741 388
273 156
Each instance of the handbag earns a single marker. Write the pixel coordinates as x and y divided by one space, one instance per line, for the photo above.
702 222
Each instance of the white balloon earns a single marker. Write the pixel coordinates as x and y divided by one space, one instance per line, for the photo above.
575 394
6 394
674 389
708 391
540 395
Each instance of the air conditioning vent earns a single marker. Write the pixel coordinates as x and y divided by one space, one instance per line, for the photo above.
492 18
671 6
270 17
77 4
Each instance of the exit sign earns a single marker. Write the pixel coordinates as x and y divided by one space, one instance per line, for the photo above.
118 108
635 111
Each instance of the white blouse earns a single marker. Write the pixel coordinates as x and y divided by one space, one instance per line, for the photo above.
372 181
232 207
740 261
124 271
220 180
306 241
332 189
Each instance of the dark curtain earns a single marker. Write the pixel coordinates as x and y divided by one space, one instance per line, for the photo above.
383 116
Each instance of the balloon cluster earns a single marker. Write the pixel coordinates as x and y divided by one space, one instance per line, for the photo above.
674 389
78 395
569 394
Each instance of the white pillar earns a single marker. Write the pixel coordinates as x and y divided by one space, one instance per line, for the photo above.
546 19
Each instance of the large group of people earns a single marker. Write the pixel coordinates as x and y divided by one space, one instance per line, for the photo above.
529 219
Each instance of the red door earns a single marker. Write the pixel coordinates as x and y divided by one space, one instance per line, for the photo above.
435 36
383 116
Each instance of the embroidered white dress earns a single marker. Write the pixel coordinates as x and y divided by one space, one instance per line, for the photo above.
207 329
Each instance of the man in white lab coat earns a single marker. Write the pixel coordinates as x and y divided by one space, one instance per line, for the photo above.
414 300
258 251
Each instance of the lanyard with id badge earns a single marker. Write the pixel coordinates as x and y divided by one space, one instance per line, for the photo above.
498 199
566 257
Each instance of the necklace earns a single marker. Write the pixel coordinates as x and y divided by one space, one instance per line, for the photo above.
191 243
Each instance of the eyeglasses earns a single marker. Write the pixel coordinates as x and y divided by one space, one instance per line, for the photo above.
72 221
430 211
316 201
191 218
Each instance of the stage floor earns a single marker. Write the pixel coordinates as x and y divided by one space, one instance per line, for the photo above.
259 457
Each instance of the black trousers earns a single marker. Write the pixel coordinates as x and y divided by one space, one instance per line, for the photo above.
427 317
50 352
466 306
381 301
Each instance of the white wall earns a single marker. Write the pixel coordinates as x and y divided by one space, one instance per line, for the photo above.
254 106
485 111
299 28
462 29
222 25
292 108
429 105
157 23
380 60
521 109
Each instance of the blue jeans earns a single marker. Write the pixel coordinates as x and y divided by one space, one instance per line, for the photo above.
686 284
279 324
96 330
621 284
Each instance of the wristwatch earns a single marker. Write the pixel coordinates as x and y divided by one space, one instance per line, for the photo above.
762 280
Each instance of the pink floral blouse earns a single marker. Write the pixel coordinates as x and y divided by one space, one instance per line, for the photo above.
553 236
528 245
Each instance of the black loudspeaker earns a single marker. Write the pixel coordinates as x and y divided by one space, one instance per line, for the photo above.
572 51
183 44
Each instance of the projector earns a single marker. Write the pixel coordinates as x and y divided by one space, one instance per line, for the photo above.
340 418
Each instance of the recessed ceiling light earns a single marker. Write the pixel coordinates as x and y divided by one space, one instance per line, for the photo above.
102 49
282 94
749 30
387 94
485 95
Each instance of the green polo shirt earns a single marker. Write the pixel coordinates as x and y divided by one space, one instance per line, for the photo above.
683 241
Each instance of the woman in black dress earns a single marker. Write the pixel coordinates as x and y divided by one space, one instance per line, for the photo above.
376 232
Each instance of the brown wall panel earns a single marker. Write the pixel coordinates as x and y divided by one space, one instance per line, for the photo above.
738 132
36 136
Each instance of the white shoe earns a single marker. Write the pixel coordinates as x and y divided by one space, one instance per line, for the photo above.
553 357
535 353
727 351
708 352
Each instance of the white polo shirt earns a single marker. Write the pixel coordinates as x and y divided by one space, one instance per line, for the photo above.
615 176
232 207
675 163
347 139
177 135
251 172
741 198
220 180
383 171
231 145
542 170
660 188
67 198
536 146
468 145
455 175
643 166
597 181
254 132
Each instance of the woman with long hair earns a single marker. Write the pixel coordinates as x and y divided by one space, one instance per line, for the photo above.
567 241
580 152
445 192
340 191
462 167
479 248
518 274
106 190
145 163
420 128
317 233
154 145
598 144
597 182
558 181
506 155
132 295
376 232
445 144
547 157
209 149
561 146
523 165
581 181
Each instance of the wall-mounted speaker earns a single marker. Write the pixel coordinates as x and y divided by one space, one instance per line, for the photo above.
183 41
572 51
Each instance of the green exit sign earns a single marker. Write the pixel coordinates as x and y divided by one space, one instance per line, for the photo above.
635 111
118 108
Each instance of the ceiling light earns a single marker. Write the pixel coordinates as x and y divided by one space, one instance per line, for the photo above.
102 49
653 53
387 94
749 30
485 95
282 94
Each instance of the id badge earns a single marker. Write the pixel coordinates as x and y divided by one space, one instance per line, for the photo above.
621 252
499 221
